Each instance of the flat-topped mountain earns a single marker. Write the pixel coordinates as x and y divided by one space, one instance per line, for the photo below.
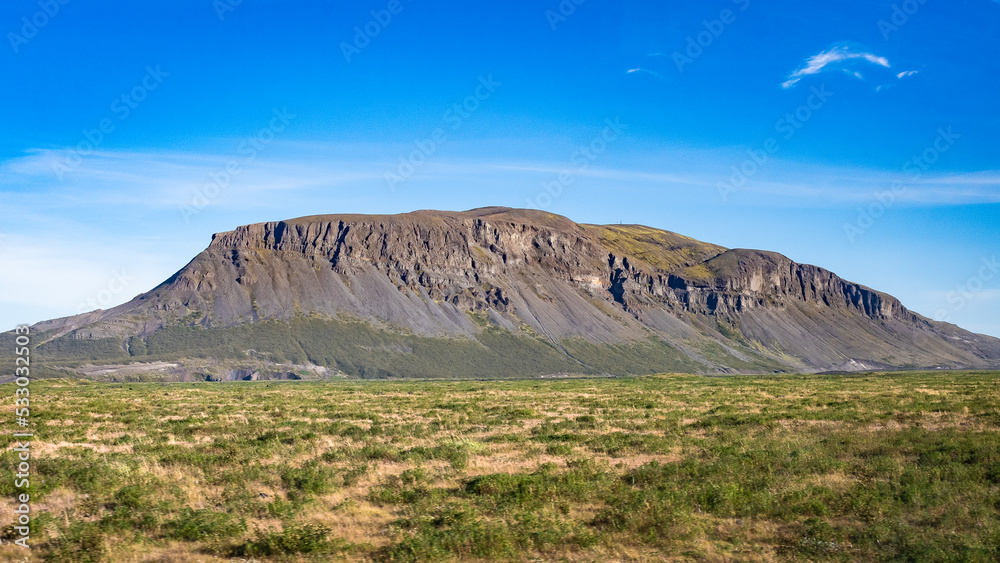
498 292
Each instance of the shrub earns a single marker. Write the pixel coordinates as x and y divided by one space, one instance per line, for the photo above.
303 482
204 524
83 542
292 539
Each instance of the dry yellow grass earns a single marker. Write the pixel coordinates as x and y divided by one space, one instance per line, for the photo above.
686 468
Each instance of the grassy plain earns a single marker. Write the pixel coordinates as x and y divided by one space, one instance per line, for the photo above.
871 467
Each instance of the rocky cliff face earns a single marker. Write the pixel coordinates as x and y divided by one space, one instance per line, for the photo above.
534 274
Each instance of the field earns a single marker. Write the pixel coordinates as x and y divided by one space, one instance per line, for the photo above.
871 467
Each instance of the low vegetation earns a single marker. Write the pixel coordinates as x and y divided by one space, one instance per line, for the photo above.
870 467
362 351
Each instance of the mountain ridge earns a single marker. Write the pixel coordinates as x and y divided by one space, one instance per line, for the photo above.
580 291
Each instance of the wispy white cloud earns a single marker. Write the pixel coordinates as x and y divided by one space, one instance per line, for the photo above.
699 181
840 188
172 178
840 57
645 71
906 73
166 181
983 295
982 178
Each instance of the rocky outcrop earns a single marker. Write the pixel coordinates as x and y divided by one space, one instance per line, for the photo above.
431 273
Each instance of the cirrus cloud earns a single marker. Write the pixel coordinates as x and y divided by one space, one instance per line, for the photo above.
846 58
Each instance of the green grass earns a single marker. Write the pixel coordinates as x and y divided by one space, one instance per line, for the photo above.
870 467
662 249
353 348
360 350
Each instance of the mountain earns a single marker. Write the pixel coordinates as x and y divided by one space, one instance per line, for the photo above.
497 292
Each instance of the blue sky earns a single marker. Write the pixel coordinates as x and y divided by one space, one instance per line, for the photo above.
861 136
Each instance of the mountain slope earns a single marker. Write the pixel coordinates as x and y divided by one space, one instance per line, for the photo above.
506 292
